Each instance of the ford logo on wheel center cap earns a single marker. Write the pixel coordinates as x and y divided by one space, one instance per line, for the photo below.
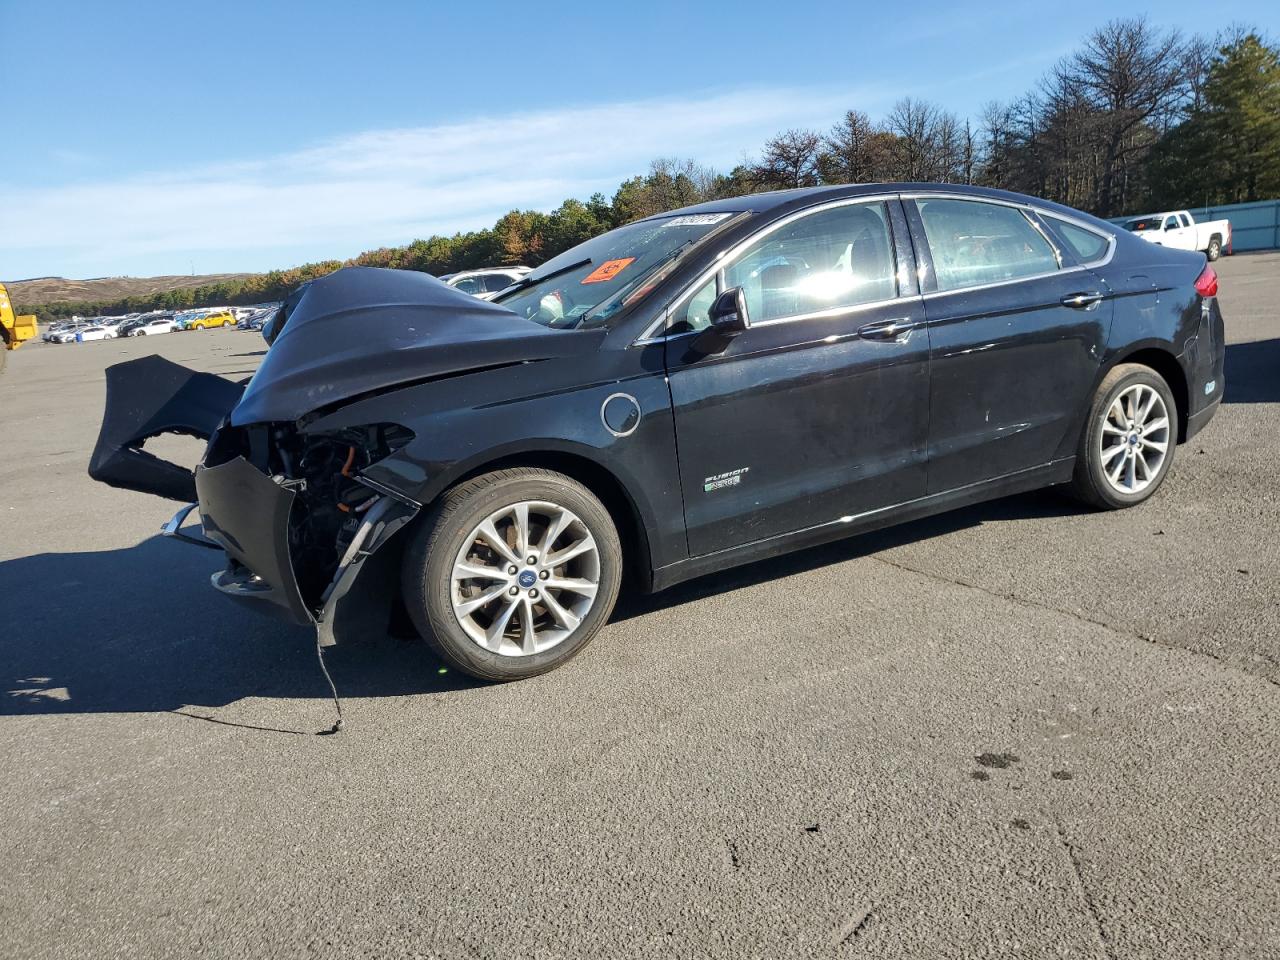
528 578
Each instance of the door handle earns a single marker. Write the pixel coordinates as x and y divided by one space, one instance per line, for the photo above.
886 329
1082 301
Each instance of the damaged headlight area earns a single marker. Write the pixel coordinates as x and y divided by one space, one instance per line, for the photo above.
289 508
292 512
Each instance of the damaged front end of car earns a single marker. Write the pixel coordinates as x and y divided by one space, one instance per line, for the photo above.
290 506
297 521
287 499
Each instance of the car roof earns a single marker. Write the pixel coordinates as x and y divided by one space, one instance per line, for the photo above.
780 201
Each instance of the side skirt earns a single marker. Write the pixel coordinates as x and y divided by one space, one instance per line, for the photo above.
1034 478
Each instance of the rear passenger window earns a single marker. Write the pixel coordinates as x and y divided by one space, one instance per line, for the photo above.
973 243
1087 244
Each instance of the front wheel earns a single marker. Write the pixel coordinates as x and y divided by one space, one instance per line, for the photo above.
513 573
1129 439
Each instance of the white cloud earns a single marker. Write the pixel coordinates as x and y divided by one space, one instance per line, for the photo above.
382 187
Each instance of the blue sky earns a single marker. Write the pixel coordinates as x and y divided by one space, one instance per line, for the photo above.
145 138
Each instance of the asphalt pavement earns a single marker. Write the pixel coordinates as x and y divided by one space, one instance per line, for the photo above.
1024 729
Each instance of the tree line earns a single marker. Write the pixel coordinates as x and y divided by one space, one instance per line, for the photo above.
1137 118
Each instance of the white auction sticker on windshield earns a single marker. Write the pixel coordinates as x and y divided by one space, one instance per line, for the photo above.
697 220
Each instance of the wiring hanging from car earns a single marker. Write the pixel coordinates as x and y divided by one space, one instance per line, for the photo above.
333 690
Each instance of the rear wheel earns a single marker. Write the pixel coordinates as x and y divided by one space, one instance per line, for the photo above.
513 573
1215 249
1129 439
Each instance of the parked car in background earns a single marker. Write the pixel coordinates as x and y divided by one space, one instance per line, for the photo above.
205 319
55 330
827 361
256 319
96 332
134 322
486 283
152 326
1178 229
115 323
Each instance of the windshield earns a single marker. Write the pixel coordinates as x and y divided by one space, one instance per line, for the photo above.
587 285
1144 223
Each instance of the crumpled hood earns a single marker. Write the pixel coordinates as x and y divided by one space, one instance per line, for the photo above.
364 329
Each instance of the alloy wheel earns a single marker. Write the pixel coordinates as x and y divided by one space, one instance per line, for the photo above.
525 578
1134 440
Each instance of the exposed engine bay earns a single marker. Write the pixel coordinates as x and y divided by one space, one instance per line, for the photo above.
331 502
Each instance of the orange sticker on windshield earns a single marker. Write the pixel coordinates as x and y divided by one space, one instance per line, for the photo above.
608 270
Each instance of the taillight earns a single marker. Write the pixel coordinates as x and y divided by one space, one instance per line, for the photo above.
1207 283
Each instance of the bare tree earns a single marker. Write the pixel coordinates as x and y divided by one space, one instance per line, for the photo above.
912 124
969 156
790 159
688 180
853 151
1134 78
997 145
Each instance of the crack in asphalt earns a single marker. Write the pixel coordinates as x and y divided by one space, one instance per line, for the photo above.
1083 618
1082 890
853 927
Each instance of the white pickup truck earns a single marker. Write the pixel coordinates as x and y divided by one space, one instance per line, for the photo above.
1178 229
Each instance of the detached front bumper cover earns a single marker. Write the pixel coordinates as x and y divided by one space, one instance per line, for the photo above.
148 397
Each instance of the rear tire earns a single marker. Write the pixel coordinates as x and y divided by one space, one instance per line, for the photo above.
1215 249
537 615
1128 441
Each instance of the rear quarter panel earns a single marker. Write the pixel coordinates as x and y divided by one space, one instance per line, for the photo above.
1156 306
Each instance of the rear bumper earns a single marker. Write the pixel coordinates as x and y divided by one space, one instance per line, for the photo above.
1205 366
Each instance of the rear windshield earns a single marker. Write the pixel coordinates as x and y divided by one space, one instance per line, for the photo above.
585 286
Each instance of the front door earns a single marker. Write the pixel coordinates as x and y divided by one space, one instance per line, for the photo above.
1016 334
820 410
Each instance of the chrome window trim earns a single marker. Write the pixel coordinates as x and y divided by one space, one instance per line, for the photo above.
1038 227
1003 283
1101 261
653 333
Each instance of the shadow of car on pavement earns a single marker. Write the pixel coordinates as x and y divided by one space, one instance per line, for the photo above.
140 629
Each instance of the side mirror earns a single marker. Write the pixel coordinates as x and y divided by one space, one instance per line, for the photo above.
728 315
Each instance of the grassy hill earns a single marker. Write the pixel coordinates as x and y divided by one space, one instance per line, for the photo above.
60 290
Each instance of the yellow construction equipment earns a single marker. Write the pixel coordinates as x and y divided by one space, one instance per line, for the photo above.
14 331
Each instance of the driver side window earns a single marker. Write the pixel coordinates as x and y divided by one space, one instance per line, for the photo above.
834 258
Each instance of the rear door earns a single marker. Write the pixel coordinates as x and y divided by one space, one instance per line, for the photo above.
1017 327
819 411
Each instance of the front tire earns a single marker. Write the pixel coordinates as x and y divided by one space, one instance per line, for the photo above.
1129 439
513 573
